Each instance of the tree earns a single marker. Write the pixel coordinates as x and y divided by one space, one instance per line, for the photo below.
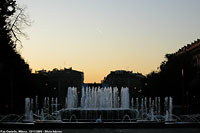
7 9
13 20
18 21
14 71
169 80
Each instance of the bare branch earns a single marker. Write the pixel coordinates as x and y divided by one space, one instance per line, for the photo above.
17 18
18 22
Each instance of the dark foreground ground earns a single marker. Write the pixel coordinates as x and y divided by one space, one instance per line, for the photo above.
171 130
100 130
64 127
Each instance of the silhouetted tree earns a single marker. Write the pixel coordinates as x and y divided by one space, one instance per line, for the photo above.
152 88
173 79
14 72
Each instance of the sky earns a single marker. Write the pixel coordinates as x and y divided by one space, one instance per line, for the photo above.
99 36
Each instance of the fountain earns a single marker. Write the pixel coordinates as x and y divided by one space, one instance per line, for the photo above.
101 107
28 110
105 108
103 102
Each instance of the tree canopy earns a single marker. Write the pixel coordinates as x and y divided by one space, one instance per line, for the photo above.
173 78
14 71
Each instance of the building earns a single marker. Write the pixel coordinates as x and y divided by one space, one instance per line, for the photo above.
192 50
59 81
122 78
191 82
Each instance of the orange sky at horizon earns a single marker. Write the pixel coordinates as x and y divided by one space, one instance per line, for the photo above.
100 36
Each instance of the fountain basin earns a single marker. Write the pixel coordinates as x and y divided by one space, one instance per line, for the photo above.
91 114
93 125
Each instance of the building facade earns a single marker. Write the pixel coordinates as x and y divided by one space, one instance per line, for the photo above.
191 82
58 82
192 50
